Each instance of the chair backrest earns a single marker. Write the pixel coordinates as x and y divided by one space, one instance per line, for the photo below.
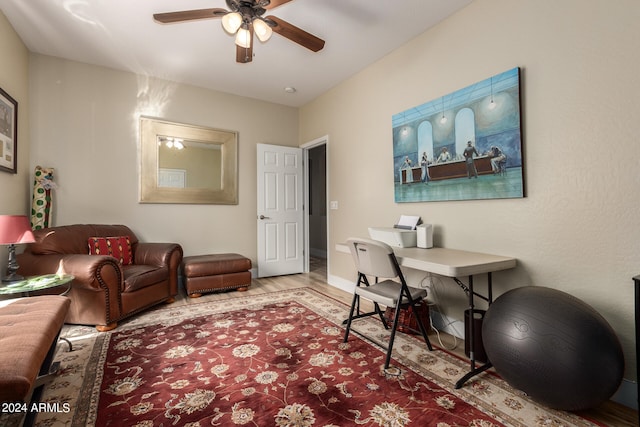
372 257
73 239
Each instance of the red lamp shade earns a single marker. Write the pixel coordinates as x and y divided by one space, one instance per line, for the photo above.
15 229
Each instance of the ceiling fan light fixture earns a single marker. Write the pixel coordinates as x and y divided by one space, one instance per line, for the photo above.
242 19
262 30
231 22
243 38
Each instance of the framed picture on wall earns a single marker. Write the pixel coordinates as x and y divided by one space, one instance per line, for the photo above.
466 145
8 132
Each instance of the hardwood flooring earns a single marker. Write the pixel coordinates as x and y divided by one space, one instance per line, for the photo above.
610 413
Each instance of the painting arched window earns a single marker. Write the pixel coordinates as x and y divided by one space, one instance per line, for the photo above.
425 140
465 129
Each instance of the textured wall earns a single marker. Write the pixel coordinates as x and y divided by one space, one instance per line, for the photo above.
85 124
577 229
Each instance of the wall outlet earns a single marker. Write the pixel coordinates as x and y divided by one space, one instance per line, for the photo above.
333 204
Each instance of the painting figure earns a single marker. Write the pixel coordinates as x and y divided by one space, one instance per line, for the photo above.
468 158
424 163
444 156
498 159
406 168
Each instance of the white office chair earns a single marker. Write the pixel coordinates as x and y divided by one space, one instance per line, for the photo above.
374 258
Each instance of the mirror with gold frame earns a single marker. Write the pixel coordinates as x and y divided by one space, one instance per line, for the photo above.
183 163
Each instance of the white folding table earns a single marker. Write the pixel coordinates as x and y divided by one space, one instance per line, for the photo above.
455 264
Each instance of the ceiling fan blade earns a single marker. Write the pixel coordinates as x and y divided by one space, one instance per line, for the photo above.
189 15
244 55
275 3
296 34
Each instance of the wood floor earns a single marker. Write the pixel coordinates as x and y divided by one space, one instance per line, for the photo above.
609 414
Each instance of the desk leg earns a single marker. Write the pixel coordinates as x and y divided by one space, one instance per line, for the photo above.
471 293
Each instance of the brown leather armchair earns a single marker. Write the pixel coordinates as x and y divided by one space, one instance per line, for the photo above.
104 291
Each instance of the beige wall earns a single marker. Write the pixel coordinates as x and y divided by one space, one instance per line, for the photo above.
84 124
14 79
578 229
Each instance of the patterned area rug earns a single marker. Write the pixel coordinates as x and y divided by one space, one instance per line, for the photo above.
275 359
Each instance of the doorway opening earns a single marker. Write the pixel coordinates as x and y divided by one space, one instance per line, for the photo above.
316 218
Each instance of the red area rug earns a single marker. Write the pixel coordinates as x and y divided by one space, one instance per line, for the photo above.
278 360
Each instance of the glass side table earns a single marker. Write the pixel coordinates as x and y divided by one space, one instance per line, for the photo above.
33 286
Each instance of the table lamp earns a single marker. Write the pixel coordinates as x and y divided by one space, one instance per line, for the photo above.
14 229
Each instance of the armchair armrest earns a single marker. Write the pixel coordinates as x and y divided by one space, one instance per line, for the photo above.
96 288
168 255
158 254
92 272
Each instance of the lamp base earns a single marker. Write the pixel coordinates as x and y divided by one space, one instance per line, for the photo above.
13 277
12 267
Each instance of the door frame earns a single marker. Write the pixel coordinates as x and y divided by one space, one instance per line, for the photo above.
323 140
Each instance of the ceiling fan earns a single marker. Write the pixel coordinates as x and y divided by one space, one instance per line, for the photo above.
244 19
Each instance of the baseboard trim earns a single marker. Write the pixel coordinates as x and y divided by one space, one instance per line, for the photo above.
446 324
340 283
627 394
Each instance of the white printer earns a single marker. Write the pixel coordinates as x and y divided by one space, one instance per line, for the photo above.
395 237
407 233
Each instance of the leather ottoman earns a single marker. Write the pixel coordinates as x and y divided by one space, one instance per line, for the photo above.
29 331
215 273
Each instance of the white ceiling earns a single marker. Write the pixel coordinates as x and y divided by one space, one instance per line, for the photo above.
122 34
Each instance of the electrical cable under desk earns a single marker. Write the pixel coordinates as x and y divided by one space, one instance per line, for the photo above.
433 303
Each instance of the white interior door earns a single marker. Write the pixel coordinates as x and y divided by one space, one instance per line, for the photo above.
280 210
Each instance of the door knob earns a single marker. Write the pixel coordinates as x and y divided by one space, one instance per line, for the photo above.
264 217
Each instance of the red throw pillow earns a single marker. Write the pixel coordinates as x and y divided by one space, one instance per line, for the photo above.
118 247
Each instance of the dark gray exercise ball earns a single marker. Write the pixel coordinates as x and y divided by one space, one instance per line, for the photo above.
554 347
